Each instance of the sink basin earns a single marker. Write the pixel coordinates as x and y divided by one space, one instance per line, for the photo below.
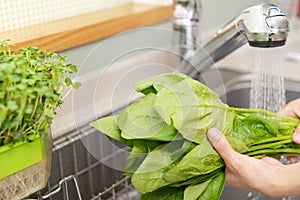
233 87
237 92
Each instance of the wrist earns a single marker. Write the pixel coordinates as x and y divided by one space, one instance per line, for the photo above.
283 181
278 183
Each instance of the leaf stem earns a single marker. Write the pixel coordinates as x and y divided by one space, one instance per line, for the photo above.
270 145
270 140
273 151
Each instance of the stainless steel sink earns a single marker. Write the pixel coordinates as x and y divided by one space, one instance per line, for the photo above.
236 92
233 87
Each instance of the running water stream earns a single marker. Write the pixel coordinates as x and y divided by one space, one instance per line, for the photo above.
267 86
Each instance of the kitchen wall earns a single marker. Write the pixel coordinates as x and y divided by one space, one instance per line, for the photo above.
216 12
20 13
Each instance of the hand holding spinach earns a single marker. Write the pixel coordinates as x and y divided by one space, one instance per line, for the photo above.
267 175
171 156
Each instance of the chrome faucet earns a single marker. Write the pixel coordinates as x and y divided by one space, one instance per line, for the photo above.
186 17
263 25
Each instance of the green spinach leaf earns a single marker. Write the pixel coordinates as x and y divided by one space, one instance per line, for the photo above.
171 157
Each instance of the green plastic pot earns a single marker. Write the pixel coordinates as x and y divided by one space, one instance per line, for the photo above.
20 156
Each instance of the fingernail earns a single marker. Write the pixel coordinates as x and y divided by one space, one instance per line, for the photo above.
213 135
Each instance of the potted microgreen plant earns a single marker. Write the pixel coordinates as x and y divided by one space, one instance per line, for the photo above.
33 83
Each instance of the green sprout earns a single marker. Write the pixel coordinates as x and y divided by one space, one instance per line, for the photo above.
32 86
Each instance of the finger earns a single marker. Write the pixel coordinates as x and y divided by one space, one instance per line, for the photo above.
297 129
297 112
296 137
271 161
292 109
292 113
288 111
220 143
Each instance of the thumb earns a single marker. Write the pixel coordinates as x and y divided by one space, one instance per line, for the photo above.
220 143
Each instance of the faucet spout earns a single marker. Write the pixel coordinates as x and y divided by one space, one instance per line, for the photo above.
186 18
263 25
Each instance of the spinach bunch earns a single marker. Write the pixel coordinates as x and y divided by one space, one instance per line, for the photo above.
32 85
171 157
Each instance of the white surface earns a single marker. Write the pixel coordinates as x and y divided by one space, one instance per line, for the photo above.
155 2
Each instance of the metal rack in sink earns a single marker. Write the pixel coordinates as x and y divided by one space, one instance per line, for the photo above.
77 174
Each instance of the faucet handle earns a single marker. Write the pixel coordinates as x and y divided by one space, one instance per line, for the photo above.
186 16
188 10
